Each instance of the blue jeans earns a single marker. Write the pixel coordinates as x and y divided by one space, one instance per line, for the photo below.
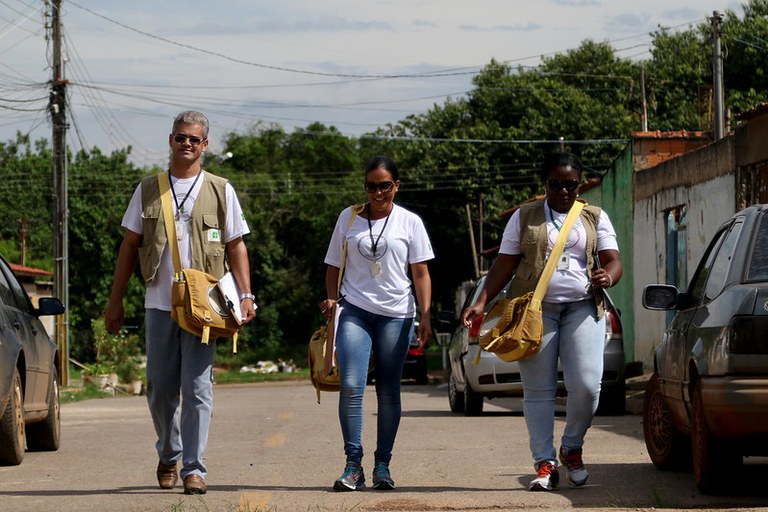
179 365
574 335
359 334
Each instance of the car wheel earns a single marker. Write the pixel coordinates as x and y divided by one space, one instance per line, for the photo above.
613 401
12 439
455 397
46 435
421 374
668 448
473 402
713 459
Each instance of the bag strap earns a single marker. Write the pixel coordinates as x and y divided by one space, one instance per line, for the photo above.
170 225
562 238
356 210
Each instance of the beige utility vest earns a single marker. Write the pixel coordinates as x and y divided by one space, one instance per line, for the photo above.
206 227
533 247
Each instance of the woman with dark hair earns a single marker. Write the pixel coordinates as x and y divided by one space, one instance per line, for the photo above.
572 311
384 243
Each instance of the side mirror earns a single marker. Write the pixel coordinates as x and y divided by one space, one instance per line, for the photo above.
660 297
49 306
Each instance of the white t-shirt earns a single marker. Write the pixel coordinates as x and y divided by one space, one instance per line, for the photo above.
378 282
158 293
571 284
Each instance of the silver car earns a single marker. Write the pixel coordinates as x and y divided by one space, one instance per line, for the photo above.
469 384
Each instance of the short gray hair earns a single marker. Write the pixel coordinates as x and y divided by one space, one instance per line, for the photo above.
191 117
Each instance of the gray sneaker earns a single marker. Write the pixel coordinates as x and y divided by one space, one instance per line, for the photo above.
577 473
352 479
382 481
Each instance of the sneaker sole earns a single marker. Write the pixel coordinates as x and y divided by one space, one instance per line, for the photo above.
384 486
539 488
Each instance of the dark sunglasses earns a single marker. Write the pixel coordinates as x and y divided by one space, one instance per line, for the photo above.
192 139
569 185
382 186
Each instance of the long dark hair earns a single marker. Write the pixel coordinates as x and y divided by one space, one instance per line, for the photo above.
383 162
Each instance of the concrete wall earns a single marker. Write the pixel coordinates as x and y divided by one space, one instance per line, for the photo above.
704 182
614 195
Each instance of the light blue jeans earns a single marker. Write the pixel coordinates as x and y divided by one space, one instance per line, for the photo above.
574 335
359 334
179 365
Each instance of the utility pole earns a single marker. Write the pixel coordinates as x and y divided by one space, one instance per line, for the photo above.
717 76
57 107
644 118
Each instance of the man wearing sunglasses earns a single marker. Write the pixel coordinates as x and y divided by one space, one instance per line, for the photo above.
210 226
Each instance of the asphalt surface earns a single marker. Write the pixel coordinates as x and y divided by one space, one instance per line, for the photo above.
273 448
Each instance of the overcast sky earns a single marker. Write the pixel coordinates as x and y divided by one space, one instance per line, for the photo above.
353 64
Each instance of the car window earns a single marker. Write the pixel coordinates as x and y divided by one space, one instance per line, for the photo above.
758 268
6 292
719 272
695 292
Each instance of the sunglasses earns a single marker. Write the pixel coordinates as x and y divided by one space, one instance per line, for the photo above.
180 137
382 186
569 185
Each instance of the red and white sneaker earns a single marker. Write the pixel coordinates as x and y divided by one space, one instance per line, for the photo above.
547 477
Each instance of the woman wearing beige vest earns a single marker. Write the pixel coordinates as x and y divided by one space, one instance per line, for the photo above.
574 324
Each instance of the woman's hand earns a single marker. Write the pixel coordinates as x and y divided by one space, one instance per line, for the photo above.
601 278
326 308
424 333
472 311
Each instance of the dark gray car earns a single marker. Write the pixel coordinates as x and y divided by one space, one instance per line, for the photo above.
29 382
706 403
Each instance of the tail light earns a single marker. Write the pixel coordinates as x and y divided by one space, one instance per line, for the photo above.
474 327
613 329
748 335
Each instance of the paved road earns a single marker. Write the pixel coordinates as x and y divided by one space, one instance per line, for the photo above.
273 448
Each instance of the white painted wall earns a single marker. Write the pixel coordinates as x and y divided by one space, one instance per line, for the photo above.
708 205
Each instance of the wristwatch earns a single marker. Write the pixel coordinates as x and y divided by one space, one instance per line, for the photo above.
247 296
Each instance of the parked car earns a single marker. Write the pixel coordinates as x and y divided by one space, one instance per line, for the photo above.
416 361
706 403
29 382
469 384
415 367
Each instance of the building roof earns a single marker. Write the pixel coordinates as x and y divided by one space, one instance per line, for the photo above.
22 270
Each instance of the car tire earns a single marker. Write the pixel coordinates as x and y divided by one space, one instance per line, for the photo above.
668 448
455 397
613 401
473 402
421 373
713 459
46 435
12 434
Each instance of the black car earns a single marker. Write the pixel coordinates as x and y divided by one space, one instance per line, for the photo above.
29 381
706 404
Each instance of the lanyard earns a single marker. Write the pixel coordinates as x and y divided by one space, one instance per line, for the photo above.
375 245
180 207
552 216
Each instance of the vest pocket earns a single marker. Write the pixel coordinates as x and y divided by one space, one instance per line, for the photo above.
213 245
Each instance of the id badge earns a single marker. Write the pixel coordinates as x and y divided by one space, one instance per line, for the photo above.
181 229
565 260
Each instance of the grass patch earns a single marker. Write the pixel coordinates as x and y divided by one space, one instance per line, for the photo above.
86 391
234 376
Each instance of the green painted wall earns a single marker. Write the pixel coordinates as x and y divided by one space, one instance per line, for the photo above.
615 197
